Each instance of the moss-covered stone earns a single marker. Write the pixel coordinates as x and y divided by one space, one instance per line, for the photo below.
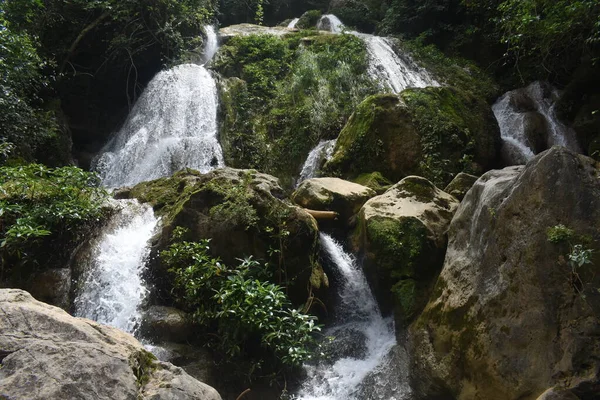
460 185
433 132
375 181
402 235
309 19
244 213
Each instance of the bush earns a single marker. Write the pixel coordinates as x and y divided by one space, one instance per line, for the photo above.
39 205
240 306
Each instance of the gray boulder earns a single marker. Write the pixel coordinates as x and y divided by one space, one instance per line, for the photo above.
507 318
47 354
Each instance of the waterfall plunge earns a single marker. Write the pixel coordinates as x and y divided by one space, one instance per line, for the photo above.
172 126
363 341
392 71
321 153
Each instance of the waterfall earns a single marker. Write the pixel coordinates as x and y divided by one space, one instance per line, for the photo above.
111 288
322 152
528 123
211 44
172 126
391 71
363 341
292 24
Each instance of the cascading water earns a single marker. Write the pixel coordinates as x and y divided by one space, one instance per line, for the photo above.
172 126
392 71
322 152
292 24
363 340
111 288
523 133
211 44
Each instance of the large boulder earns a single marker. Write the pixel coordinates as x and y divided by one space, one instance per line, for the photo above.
460 185
332 194
431 132
508 318
46 354
402 235
243 213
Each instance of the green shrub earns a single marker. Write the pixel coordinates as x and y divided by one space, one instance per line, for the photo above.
559 234
240 305
38 202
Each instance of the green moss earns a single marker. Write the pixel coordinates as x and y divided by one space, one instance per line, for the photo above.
309 19
143 364
419 188
375 181
405 295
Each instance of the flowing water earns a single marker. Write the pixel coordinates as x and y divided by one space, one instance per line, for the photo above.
321 153
393 72
292 24
211 44
517 112
362 344
111 288
172 126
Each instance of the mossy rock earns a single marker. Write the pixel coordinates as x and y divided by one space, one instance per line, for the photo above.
432 132
375 181
309 19
460 185
244 213
402 235
332 194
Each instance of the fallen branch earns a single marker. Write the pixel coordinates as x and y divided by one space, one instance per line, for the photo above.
322 215
245 392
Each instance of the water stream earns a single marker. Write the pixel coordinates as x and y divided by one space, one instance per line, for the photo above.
393 71
316 158
363 340
111 288
529 124
172 126
292 24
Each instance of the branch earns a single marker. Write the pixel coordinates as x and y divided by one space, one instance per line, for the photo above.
80 37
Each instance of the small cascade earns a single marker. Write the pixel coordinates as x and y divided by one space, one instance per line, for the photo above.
362 344
317 156
172 126
111 288
393 72
292 24
211 44
529 125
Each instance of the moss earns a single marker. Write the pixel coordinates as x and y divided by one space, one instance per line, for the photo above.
405 295
375 181
419 188
143 363
309 19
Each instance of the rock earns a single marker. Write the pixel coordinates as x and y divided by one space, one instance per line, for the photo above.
507 319
225 34
166 324
375 181
460 185
552 394
309 19
47 354
52 286
431 132
244 213
402 234
332 194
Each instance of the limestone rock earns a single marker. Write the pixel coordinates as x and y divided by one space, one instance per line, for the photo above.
426 132
460 185
507 319
332 194
225 34
46 354
402 234
244 213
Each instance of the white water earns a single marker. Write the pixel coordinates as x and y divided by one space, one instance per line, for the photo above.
322 152
360 325
292 24
391 71
172 126
211 44
513 121
111 289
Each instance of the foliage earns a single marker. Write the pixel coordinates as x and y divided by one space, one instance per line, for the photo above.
240 305
559 234
36 202
235 209
309 19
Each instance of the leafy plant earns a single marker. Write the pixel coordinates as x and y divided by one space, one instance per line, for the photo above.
239 305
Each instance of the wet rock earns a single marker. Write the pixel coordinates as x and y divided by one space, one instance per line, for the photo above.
507 319
225 34
52 286
49 355
166 324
